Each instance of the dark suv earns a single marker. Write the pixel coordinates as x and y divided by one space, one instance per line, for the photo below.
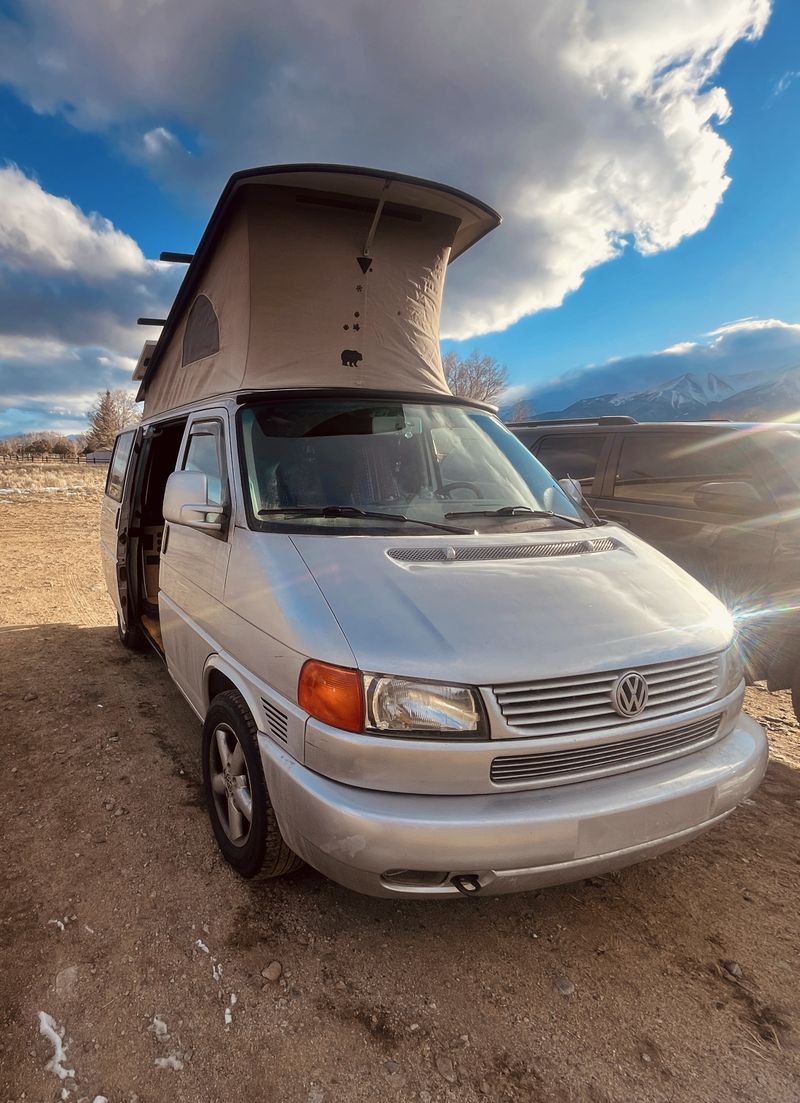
720 499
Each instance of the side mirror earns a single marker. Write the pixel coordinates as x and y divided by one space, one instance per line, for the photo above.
573 490
186 502
732 497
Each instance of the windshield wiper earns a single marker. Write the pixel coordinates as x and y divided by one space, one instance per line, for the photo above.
518 511
353 511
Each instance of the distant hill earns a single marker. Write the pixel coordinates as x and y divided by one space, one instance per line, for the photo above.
692 397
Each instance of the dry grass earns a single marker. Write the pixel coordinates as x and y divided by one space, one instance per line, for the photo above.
27 480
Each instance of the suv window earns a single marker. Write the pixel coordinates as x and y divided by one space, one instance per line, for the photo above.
574 457
667 468
204 454
115 482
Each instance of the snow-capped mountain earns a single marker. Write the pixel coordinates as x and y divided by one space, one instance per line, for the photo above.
685 392
693 397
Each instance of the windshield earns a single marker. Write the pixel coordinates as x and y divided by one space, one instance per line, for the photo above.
327 464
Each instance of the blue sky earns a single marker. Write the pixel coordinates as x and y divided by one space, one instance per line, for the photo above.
745 263
86 116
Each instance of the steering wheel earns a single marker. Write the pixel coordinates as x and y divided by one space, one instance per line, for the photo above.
447 490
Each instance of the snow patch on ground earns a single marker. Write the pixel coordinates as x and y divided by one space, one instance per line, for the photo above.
50 1030
55 1035
159 1028
173 1062
43 489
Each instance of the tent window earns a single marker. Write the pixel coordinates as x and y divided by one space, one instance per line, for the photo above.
201 336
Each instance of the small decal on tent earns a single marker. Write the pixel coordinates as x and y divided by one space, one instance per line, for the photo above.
364 263
350 358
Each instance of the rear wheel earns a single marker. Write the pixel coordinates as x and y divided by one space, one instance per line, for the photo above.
242 816
131 637
796 693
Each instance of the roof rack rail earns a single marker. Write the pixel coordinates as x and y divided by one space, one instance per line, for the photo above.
610 419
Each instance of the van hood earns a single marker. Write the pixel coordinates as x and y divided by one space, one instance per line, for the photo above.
491 609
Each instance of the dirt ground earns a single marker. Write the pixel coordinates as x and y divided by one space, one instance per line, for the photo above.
674 980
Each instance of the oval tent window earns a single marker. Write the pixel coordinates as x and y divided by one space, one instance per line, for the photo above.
201 336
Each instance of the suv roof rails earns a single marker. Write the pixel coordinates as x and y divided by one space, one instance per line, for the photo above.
611 419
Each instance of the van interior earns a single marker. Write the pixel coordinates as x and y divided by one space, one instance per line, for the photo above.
160 454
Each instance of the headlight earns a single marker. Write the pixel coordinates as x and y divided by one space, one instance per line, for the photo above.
403 707
731 669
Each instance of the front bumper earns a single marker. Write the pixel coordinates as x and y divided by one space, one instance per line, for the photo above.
512 841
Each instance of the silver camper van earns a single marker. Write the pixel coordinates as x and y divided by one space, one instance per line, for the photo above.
420 665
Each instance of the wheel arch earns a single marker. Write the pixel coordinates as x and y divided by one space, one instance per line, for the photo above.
220 675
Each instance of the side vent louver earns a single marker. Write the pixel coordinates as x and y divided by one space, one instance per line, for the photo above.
276 720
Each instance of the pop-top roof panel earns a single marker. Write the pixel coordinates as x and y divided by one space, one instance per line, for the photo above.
398 196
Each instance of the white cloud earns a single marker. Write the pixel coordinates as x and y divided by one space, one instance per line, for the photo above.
56 386
70 278
588 124
753 325
744 352
785 81
45 234
71 286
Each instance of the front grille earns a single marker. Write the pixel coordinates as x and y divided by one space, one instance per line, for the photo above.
605 758
566 706
470 553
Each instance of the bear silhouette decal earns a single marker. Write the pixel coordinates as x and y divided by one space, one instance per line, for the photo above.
350 358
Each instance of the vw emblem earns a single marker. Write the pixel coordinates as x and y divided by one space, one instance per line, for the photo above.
629 695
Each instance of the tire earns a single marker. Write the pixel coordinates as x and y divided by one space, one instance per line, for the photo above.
796 694
131 637
236 783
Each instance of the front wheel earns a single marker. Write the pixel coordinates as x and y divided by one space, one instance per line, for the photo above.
242 817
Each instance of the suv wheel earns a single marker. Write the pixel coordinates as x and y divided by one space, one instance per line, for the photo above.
796 694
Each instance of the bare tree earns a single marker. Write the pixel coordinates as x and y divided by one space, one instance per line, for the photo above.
64 447
476 376
112 411
521 411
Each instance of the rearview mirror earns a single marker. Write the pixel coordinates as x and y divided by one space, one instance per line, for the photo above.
573 490
731 497
186 502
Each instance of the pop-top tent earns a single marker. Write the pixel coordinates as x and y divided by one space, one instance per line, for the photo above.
314 276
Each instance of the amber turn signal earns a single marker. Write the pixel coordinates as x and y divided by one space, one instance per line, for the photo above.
332 694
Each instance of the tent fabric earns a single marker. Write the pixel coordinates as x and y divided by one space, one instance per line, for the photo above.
300 305
226 283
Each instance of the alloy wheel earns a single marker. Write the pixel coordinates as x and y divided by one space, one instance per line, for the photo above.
230 784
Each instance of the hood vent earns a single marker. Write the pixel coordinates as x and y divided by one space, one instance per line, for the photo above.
470 553
276 720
